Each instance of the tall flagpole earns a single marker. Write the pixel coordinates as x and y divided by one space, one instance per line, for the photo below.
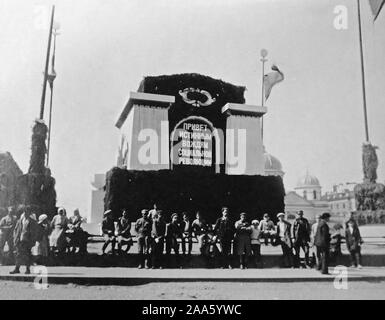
263 60
363 73
51 78
46 66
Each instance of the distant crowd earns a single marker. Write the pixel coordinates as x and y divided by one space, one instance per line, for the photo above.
157 239
32 239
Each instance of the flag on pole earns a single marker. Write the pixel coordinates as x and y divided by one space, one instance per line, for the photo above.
376 6
271 79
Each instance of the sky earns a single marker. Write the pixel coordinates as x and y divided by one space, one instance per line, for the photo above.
105 48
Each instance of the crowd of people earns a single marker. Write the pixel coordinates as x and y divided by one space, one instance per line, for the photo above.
31 239
157 239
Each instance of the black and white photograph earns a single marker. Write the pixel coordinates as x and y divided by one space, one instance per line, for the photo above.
192 151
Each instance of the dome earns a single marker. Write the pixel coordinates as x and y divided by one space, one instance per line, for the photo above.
273 166
308 180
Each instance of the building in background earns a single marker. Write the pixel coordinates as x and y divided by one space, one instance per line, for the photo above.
306 197
9 173
341 199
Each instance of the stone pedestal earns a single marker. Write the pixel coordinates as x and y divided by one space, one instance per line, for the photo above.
244 147
145 131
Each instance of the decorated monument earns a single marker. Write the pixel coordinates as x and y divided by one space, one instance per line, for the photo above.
189 142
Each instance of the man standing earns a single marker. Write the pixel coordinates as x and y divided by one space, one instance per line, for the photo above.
187 234
322 242
301 237
7 225
158 234
173 232
153 212
24 238
143 231
284 237
224 231
353 243
243 240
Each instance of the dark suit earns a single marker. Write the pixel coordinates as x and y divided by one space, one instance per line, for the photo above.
158 234
24 237
301 234
353 244
224 229
322 242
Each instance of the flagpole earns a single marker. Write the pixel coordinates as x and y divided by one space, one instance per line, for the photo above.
42 102
263 60
362 73
51 78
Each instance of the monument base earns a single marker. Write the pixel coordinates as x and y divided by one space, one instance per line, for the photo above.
192 189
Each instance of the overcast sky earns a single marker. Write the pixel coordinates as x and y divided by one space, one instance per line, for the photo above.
314 119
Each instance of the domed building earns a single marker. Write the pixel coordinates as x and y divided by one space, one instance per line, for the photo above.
273 166
306 197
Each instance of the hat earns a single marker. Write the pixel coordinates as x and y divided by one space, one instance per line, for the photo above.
325 215
300 212
280 214
144 211
42 217
255 222
243 214
107 212
265 215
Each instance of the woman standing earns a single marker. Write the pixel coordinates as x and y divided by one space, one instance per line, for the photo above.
57 240
41 249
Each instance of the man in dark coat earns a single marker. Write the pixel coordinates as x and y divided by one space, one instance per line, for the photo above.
173 233
224 230
143 232
322 242
158 234
108 230
284 239
24 237
7 225
301 235
353 243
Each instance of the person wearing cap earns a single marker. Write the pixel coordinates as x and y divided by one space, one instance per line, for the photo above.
59 224
123 232
224 232
143 235
158 234
24 238
301 237
267 228
7 225
255 236
173 233
108 230
322 242
284 239
243 240
41 249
